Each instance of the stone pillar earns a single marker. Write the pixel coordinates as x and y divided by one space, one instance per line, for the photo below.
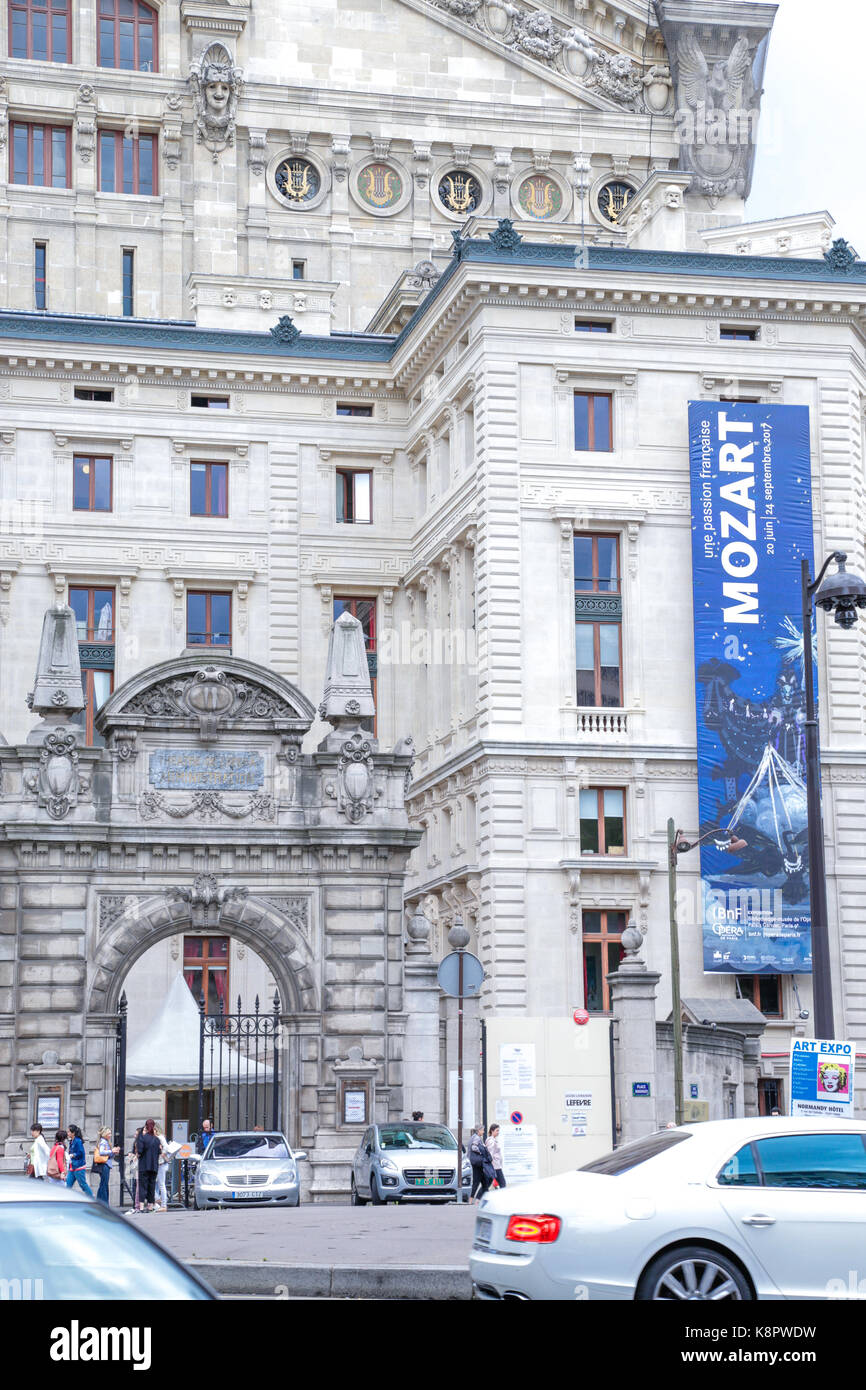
421 1062
633 1003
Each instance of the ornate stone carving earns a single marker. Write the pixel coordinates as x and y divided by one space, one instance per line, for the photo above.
534 33
841 256
616 77
211 696
112 906
348 697
422 276
58 784
58 671
216 85
206 899
296 909
505 238
258 151
356 789
405 747
207 806
285 331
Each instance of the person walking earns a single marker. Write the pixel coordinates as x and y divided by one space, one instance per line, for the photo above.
496 1154
482 1167
77 1161
132 1173
162 1171
147 1148
207 1133
38 1153
56 1169
103 1158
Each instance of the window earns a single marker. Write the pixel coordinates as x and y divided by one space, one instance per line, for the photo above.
127 163
209 402
91 483
90 393
94 620
741 1170
40 29
208 489
602 821
738 335
598 621
364 412
364 609
769 1095
127 36
40 155
208 619
354 495
602 954
40 253
299 270
592 326
593 422
764 991
206 970
813 1160
742 400
628 1156
127 274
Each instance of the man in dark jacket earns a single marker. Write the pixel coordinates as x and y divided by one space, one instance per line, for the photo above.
207 1133
77 1161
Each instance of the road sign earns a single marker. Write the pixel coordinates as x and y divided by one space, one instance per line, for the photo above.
516 1117
473 974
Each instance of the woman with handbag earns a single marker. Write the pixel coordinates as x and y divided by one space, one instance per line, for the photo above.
38 1153
482 1167
56 1169
147 1148
103 1156
496 1155
77 1166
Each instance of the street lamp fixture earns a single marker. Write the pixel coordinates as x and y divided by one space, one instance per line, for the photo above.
728 843
840 594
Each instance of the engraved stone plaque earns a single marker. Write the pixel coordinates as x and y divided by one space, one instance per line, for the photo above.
194 769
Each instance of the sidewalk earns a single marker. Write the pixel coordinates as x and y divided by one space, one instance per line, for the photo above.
324 1251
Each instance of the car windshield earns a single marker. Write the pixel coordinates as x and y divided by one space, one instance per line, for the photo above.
78 1250
630 1155
416 1137
248 1146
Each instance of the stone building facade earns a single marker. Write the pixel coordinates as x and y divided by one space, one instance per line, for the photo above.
410 455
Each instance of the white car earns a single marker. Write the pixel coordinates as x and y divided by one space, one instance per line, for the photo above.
730 1209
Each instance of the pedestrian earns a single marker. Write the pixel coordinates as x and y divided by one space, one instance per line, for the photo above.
147 1148
417 1115
103 1158
77 1161
496 1154
162 1170
37 1161
56 1169
482 1167
132 1173
207 1133
775 1111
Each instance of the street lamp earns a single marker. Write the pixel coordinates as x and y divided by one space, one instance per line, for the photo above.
677 845
841 594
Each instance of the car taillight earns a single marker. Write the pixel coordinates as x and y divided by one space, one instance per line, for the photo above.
543 1230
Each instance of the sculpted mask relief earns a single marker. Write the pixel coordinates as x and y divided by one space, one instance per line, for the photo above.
216 85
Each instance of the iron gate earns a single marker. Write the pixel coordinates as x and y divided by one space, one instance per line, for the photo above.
239 1062
119 1131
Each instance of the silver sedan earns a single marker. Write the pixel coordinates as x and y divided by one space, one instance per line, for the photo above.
407 1161
246 1168
731 1209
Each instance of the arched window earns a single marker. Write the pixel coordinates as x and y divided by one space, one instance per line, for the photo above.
40 29
127 35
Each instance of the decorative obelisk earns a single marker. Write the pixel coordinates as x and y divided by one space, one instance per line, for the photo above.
57 694
348 696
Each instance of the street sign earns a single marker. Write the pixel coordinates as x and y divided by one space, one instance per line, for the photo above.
473 974
640 1088
516 1117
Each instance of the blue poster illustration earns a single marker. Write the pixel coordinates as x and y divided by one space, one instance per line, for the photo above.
751 527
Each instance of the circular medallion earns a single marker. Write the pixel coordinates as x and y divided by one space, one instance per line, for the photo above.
297 180
459 192
379 186
539 197
613 199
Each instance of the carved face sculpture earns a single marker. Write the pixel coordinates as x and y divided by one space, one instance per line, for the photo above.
217 94
673 197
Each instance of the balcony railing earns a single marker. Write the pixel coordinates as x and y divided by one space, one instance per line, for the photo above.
602 723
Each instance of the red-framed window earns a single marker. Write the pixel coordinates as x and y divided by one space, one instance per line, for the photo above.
354 495
208 489
40 155
764 991
208 619
41 30
364 609
602 953
127 163
94 613
94 620
206 970
602 820
91 483
598 621
128 36
593 422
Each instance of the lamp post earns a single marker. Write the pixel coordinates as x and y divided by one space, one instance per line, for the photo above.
677 845
842 594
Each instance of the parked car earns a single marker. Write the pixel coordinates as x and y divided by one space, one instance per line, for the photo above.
57 1243
730 1209
407 1160
240 1167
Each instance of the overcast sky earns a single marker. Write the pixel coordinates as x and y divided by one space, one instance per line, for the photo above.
813 117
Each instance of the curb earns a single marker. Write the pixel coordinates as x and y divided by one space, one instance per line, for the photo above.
422 1282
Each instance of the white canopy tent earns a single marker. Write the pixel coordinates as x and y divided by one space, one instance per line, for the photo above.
166 1056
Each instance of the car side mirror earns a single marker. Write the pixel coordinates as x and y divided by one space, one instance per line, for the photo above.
301 1153
368 1150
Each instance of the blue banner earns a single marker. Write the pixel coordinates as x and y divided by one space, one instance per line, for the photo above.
751 527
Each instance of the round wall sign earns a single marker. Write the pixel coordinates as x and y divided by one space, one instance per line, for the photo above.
379 186
580 1016
297 180
516 1117
539 197
613 199
459 191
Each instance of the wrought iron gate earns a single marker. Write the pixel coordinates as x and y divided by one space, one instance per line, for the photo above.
119 1132
239 1061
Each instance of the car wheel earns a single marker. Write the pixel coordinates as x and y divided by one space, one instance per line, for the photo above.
693 1273
356 1198
375 1195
